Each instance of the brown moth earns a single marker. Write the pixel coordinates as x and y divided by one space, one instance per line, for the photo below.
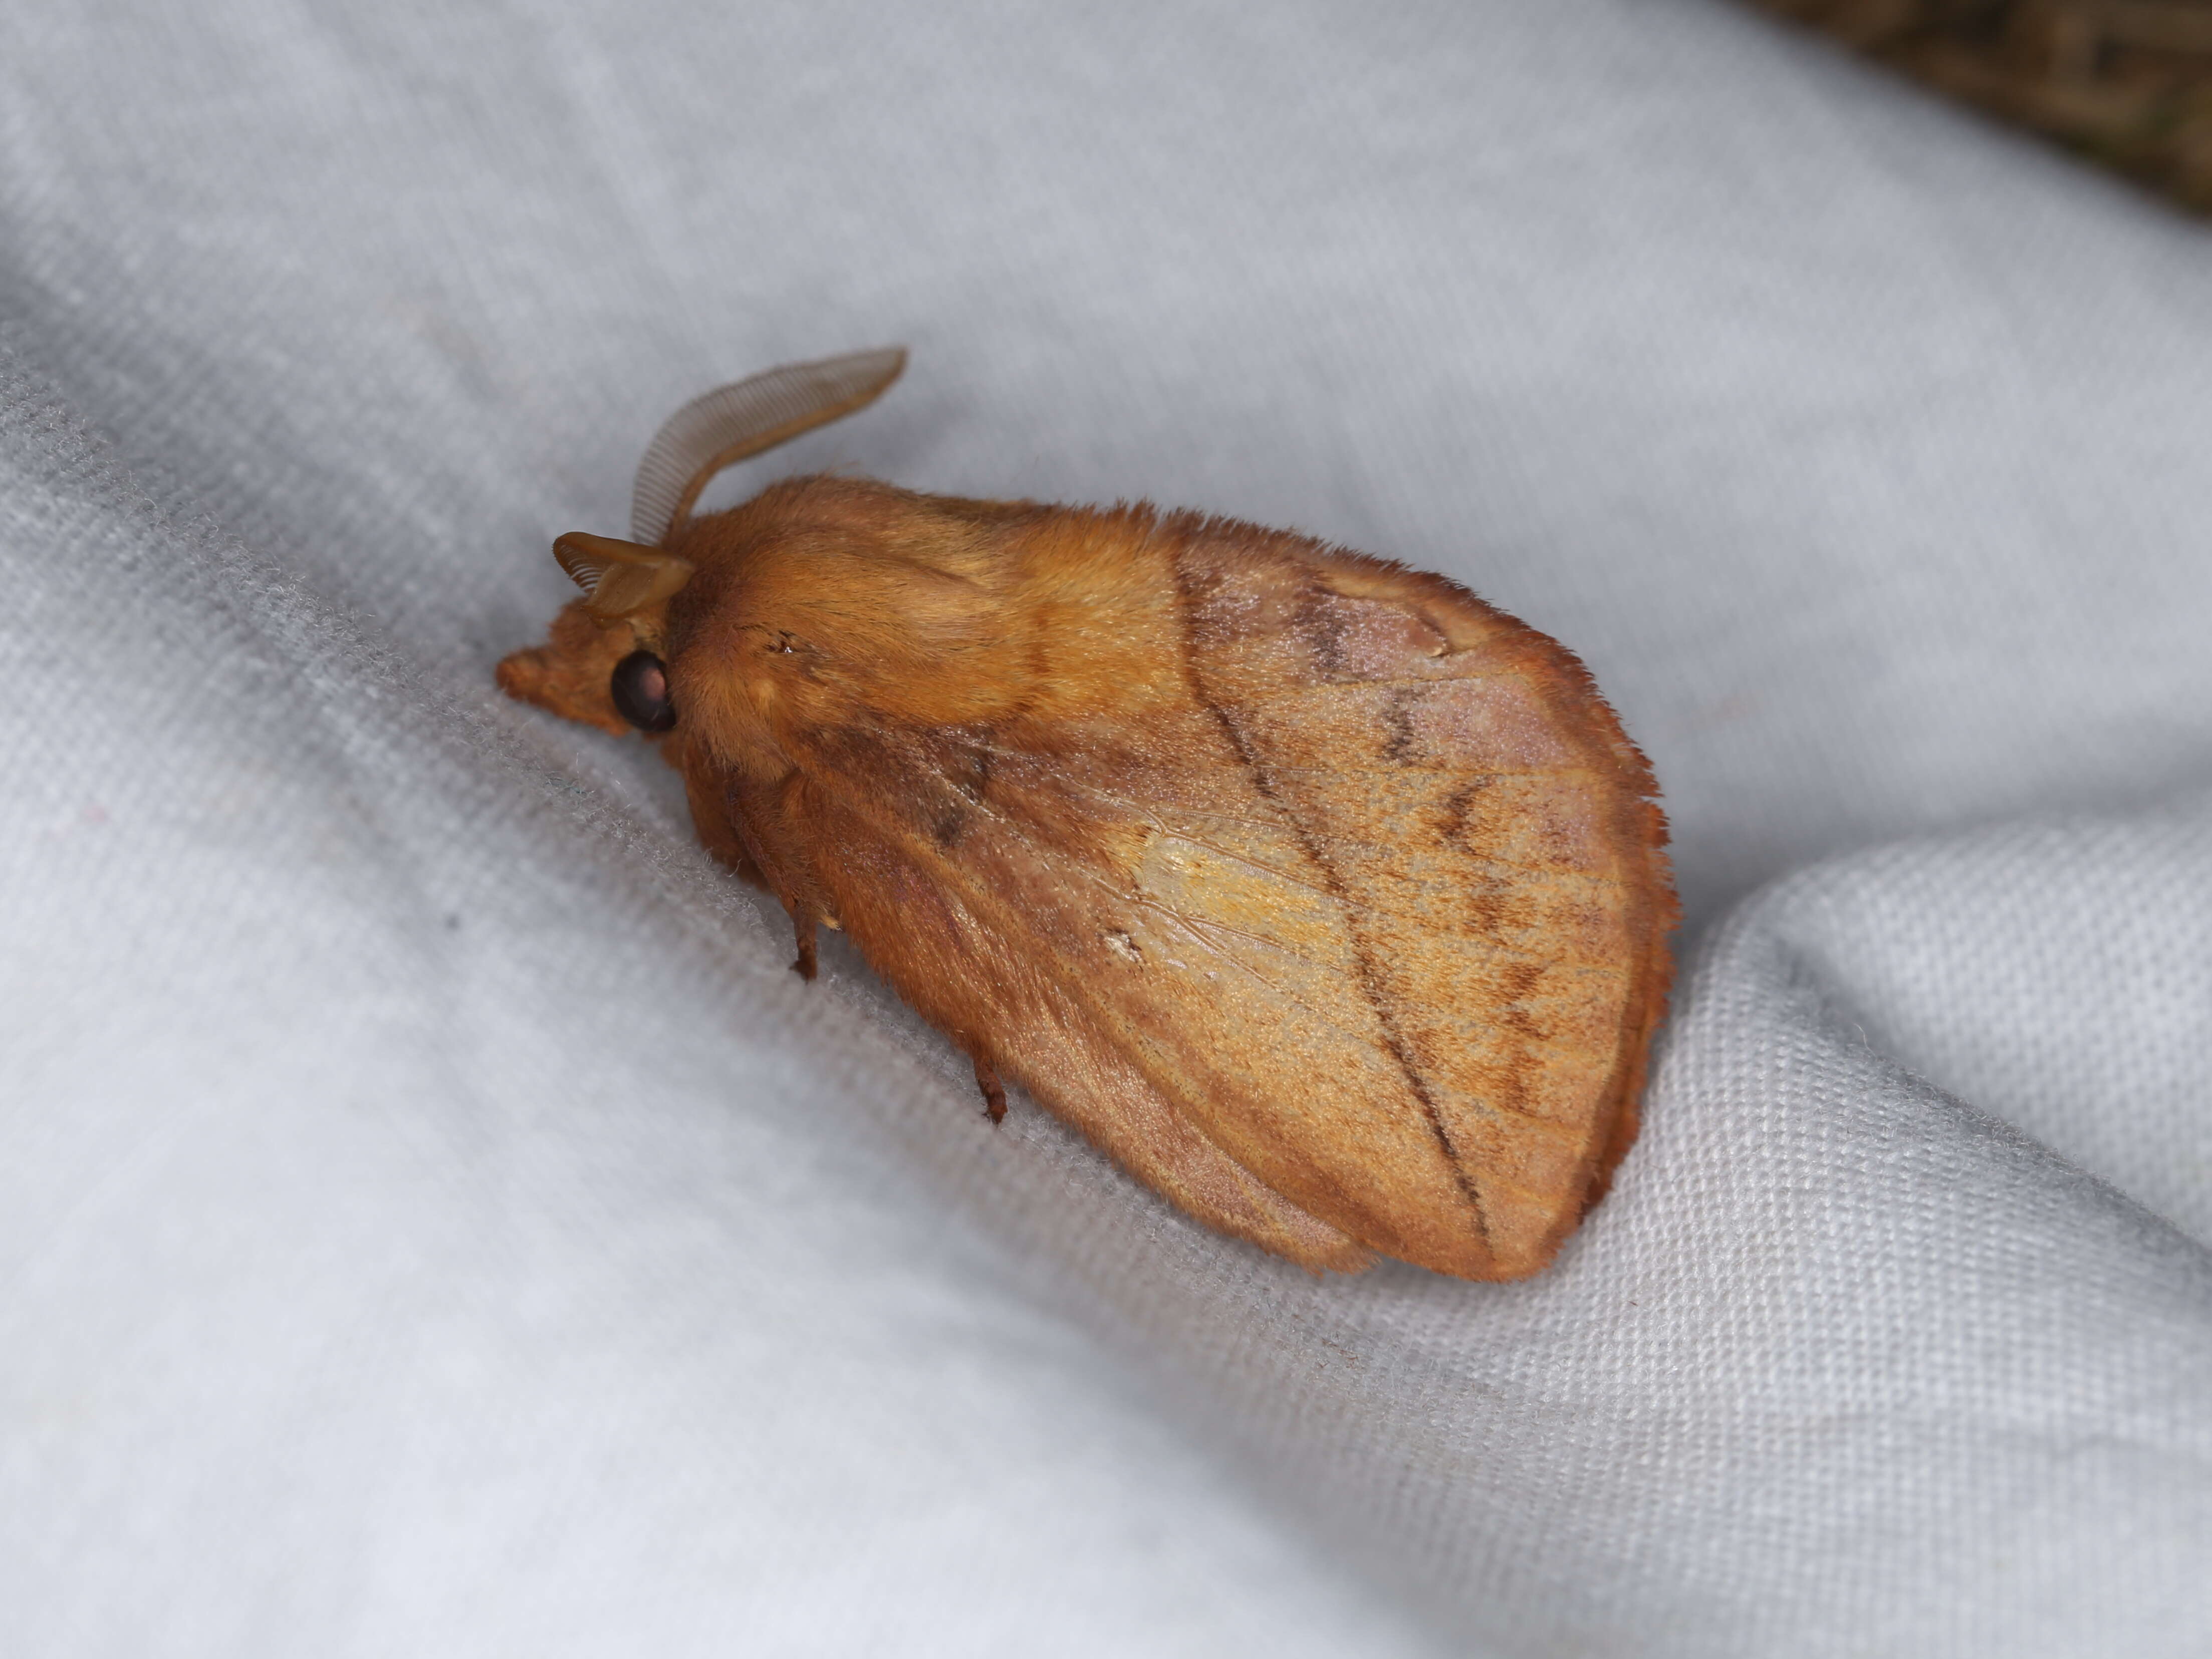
1328 901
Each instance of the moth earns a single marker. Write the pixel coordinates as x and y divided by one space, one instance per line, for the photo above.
1327 900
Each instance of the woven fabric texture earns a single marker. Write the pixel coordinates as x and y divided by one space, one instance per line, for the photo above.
432 1220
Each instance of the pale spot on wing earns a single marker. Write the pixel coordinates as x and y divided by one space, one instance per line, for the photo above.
1481 725
1367 640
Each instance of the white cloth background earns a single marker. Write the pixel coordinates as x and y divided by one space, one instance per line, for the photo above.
431 1220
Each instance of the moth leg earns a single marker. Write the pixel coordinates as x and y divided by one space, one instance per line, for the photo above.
995 1092
798 901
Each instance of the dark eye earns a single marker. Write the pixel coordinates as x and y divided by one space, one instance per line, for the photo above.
640 689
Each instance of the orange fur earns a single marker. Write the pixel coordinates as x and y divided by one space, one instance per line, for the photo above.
1327 900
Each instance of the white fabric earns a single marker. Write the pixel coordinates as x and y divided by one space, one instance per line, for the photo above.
431 1220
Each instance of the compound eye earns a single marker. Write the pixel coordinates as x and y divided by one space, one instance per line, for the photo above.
640 689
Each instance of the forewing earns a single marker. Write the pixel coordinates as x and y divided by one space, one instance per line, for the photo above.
1485 828
1374 911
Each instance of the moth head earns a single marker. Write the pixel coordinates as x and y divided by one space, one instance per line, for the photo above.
574 674
597 664
601 664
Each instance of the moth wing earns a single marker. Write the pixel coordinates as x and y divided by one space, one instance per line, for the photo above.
1372 916
1077 1067
1486 876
